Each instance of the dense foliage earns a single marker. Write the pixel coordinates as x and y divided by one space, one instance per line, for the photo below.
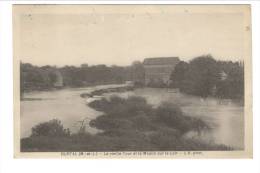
44 78
133 111
50 128
204 76
93 75
36 78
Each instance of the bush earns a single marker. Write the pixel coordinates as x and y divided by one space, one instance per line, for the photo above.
117 106
134 112
142 123
164 141
105 122
51 128
135 104
172 116
99 105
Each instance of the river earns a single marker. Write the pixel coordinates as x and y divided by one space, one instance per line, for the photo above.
224 116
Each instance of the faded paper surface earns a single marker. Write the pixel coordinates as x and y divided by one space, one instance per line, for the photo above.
23 51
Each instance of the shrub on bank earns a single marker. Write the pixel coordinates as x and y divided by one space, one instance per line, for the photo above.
107 122
172 116
99 105
136 113
118 106
51 128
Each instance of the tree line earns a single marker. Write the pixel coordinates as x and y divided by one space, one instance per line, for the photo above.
43 78
204 76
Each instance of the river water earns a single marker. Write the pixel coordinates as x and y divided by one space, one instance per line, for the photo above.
225 117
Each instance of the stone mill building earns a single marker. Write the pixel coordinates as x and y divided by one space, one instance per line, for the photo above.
158 70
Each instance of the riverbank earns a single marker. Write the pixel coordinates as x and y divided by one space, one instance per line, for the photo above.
51 89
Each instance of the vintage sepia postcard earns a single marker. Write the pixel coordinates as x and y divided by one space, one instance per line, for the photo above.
132 81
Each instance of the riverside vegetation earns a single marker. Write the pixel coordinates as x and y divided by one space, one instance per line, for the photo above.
127 124
202 76
205 77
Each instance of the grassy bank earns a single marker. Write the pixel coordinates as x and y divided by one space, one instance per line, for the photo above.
127 125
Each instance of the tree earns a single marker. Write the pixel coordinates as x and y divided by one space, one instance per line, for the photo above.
52 77
233 85
198 77
203 75
178 74
138 72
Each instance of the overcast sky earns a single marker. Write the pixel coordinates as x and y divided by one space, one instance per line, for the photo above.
100 37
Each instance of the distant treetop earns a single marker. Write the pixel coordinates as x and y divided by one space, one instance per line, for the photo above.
161 60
